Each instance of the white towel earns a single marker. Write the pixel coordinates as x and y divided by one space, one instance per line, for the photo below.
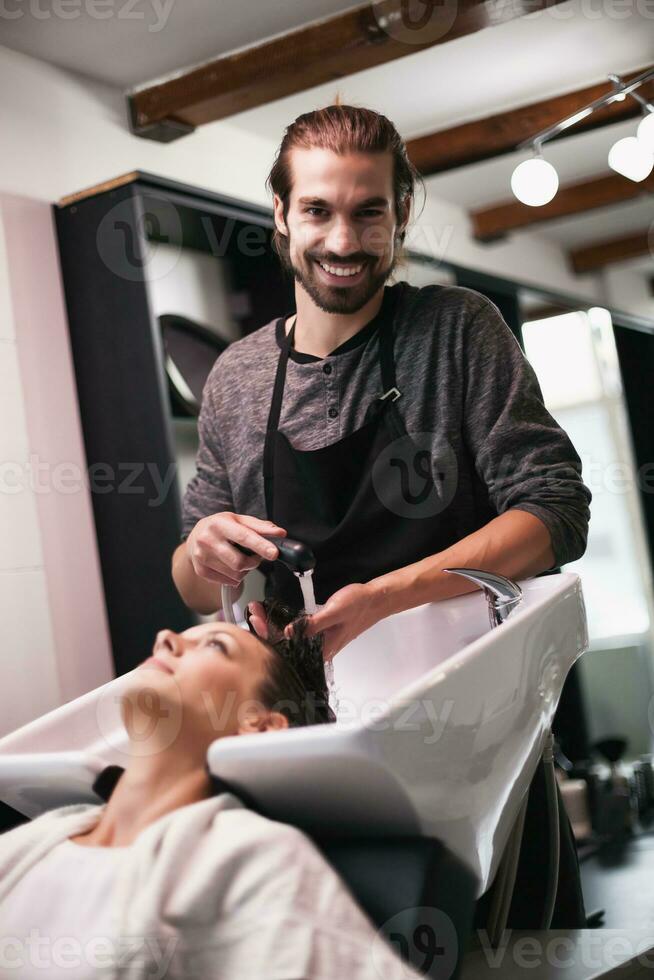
217 890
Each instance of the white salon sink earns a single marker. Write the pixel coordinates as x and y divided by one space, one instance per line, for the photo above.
440 729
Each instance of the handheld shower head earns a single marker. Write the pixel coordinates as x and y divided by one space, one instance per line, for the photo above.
297 556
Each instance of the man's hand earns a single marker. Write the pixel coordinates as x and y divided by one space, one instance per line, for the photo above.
260 624
210 546
346 614
515 543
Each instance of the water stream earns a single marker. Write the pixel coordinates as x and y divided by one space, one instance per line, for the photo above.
309 599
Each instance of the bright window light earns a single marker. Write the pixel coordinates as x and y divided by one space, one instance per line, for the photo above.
562 348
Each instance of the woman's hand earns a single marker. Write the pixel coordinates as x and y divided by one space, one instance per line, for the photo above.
346 614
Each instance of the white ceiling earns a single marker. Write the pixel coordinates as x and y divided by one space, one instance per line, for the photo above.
145 39
544 54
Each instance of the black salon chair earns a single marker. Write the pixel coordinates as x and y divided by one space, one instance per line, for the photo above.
415 892
528 901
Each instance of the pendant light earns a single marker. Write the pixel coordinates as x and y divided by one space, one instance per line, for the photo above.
535 182
631 158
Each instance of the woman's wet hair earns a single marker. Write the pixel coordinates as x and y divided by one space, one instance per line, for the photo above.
296 684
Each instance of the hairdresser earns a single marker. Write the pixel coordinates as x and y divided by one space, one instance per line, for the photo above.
396 430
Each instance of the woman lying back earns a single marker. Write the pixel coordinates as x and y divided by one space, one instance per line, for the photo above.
169 878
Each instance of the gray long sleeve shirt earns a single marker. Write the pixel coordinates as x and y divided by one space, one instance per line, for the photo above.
466 388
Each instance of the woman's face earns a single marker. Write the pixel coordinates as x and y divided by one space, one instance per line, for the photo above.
213 673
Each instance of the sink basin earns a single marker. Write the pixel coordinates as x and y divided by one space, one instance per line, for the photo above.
441 724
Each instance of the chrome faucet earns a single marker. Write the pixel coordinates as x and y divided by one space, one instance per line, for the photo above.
502 594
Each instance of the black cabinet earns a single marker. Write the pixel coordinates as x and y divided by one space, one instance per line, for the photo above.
108 242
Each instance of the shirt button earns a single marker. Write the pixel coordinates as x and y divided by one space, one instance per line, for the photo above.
332 413
327 369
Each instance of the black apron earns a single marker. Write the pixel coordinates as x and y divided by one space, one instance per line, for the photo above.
366 504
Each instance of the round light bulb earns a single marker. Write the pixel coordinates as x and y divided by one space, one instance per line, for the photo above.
645 131
535 182
631 158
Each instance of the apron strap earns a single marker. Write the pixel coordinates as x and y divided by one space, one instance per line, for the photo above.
387 360
273 421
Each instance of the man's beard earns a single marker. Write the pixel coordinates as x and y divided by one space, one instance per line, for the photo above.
343 299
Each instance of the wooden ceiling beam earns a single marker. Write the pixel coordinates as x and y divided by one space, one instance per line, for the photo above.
495 135
321 52
496 221
590 258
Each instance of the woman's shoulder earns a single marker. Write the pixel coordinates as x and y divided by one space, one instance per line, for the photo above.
37 836
230 809
227 855
60 818
224 828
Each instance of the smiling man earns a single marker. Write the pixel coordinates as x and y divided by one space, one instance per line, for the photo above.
396 430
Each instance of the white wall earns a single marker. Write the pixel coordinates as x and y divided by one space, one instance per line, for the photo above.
54 642
444 230
23 586
67 133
